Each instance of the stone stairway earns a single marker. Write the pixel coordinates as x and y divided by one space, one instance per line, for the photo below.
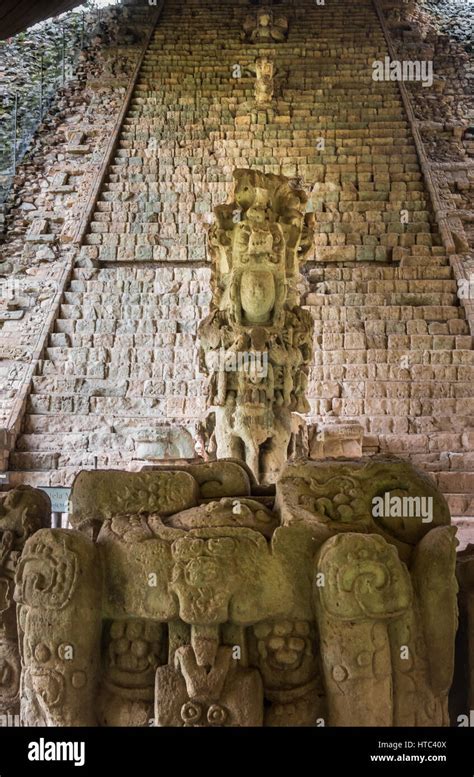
395 356
122 359
392 348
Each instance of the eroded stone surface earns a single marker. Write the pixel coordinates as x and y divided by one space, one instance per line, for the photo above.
23 511
392 345
230 614
267 25
256 342
336 440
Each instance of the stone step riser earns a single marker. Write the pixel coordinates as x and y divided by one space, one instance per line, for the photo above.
65 386
184 395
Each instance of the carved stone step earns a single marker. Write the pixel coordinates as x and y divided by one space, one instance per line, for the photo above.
180 402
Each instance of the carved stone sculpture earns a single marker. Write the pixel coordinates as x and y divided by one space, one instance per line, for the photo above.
23 511
264 72
266 26
386 592
187 597
256 344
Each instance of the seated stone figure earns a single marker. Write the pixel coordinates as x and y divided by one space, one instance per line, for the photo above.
190 596
266 26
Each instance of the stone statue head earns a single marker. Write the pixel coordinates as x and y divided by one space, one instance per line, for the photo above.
264 17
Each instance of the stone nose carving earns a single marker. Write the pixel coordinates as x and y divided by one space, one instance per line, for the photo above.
260 242
257 295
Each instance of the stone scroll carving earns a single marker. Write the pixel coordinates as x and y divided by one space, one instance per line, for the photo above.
187 597
256 343
23 511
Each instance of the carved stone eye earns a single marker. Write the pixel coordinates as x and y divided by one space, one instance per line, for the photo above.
191 712
216 715
277 239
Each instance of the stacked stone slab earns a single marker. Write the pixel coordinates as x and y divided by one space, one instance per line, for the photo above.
393 347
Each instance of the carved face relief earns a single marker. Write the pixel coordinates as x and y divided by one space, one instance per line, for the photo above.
285 649
256 241
134 650
265 26
257 295
204 578
22 511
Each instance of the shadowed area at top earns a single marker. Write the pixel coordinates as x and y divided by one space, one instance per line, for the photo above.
16 16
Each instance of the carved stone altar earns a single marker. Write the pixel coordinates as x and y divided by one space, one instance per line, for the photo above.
256 344
23 511
190 596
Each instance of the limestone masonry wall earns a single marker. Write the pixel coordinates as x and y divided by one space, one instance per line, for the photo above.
392 344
